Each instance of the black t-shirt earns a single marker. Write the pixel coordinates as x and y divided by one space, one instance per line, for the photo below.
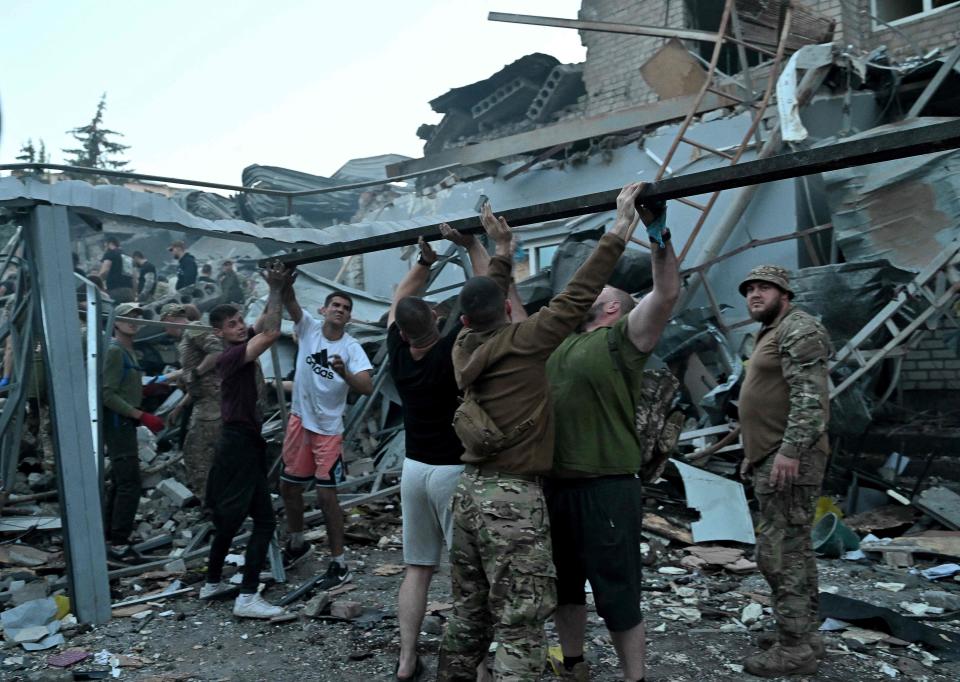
238 386
144 287
115 278
187 272
429 393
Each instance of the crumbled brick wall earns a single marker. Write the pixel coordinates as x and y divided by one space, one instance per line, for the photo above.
856 27
933 365
612 70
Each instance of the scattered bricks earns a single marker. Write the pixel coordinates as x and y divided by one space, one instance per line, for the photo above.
347 610
507 102
563 85
316 606
175 491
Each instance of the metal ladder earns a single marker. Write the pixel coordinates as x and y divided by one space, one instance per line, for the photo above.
729 22
900 325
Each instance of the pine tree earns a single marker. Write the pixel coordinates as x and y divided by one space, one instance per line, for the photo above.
96 149
31 154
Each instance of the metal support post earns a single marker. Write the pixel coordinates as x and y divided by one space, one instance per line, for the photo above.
79 481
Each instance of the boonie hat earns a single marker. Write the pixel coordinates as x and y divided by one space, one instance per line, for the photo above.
173 310
124 309
774 274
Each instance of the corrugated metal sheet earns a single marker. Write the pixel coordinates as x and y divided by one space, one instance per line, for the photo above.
904 211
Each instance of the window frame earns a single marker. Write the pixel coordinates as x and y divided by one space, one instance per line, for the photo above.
927 11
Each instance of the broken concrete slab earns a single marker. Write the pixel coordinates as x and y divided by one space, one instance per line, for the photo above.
722 503
175 491
317 605
942 504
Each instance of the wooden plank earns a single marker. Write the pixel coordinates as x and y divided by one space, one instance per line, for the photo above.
562 133
885 147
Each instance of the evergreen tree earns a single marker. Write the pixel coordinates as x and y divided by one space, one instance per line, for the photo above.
31 154
97 149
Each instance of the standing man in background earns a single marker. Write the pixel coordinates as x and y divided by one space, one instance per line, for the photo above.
146 277
187 264
784 410
121 393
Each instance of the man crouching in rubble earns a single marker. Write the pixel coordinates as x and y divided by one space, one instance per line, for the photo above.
501 564
237 485
595 495
784 409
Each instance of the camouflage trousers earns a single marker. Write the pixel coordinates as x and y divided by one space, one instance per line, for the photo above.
504 582
203 436
785 552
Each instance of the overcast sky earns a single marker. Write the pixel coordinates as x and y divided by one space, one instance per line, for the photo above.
201 89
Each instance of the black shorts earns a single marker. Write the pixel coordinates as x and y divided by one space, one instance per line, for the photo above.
596 524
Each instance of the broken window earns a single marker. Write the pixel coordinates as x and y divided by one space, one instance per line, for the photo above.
897 10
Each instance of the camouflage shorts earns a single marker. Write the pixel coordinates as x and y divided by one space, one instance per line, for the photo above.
504 582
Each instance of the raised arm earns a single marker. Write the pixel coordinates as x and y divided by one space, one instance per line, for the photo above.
278 278
648 319
414 282
289 299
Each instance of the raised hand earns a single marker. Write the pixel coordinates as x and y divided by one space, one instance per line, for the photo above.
450 234
427 255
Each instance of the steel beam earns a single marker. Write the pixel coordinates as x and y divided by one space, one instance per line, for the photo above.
78 480
885 147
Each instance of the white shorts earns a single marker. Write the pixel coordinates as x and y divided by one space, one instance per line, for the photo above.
426 494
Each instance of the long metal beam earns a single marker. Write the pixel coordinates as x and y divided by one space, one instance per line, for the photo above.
616 27
885 147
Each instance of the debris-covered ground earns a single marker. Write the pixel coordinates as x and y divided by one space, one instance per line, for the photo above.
704 603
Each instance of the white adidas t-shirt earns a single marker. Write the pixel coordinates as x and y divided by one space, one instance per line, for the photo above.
319 393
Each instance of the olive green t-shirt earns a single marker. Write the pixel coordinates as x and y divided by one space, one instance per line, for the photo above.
594 413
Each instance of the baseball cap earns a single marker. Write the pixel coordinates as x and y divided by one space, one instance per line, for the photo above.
173 310
125 309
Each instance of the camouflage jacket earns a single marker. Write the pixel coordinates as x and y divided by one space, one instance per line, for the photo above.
784 402
203 388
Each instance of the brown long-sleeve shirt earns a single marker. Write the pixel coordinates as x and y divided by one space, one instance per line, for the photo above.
785 401
506 366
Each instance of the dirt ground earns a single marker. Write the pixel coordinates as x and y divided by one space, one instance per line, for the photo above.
186 639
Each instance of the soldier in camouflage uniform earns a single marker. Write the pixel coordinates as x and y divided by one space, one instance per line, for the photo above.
784 408
199 351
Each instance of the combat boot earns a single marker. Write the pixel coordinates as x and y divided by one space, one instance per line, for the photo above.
781 660
765 640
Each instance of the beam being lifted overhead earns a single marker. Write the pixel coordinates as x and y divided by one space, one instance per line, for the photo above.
888 146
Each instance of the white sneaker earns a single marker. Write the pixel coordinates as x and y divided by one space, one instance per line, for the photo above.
255 606
217 590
